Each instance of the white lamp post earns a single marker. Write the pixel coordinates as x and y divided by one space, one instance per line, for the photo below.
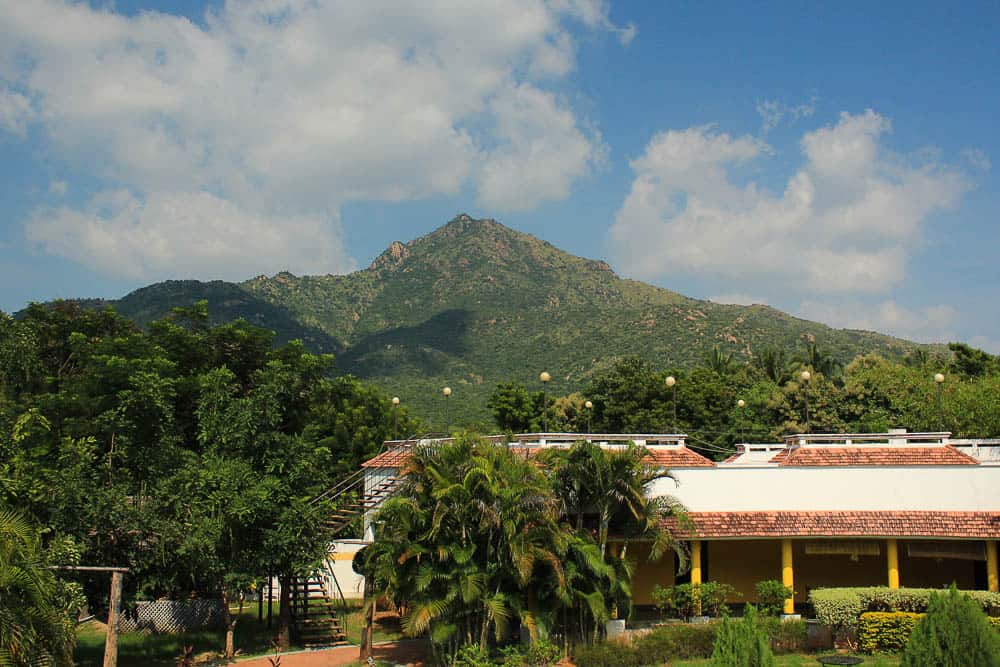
395 418
806 376
939 381
739 415
544 377
447 394
671 383
590 411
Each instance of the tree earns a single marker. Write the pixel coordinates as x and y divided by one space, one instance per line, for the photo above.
34 629
514 409
954 633
773 363
470 541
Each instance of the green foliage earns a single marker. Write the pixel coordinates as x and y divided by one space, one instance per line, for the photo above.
841 607
36 625
472 656
742 643
771 596
677 641
606 654
540 653
785 635
886 631
954 633
683 600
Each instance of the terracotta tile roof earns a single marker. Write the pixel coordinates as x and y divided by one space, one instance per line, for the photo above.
873 456
732 457
678 457
972 525
393 458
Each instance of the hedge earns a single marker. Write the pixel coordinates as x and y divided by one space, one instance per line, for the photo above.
842 607
683 641
889 631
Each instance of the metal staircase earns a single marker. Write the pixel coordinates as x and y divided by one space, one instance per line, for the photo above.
317 620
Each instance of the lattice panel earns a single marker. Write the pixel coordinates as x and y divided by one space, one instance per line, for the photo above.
171 616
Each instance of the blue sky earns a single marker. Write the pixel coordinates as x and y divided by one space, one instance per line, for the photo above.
834 161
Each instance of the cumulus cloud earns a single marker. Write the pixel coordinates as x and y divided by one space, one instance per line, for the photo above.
285 110
846 222
926 324
182 234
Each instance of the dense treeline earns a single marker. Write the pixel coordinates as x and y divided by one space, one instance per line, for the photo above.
187 452
871 394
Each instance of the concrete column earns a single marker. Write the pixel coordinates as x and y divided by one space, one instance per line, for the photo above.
696 575
788 574
992 578
892 558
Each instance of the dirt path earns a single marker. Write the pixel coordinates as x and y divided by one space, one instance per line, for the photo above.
410 652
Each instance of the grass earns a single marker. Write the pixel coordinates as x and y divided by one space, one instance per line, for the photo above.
801 660
136 649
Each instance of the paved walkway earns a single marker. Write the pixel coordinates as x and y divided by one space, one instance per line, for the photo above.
408 652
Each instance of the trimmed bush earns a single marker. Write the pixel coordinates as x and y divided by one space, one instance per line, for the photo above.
771 596
742 643
954 633
886 631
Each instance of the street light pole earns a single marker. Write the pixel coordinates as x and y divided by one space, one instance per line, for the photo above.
545 377
739 415
447 394
395 417
671 383
806 375
939 381
590 412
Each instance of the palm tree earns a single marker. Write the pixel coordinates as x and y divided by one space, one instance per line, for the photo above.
774 365
821 362
33 630
467 543
719 361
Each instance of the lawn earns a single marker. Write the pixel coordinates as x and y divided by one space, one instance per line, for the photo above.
802 661
252 638
141 648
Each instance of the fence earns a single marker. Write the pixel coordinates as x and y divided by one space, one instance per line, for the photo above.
170 616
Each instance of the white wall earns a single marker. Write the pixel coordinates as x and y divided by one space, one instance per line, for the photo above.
340 563
942 488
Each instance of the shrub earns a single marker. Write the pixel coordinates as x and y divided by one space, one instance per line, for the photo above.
471 656
785 636
886 631
771 596
954 633
742 643
541 653
679 601
606 654
677 641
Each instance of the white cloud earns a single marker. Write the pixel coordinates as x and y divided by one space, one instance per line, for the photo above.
58 188
737 299
977 158
287 109
926 324
15 111
773 112
991 345
847 220
183 234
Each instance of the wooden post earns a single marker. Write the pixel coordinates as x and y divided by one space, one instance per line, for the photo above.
270 597
369 630
114 610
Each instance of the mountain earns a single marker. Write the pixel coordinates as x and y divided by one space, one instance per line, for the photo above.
475 303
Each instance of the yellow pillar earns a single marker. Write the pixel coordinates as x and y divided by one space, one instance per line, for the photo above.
788 574
696 575
992 578
892 556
